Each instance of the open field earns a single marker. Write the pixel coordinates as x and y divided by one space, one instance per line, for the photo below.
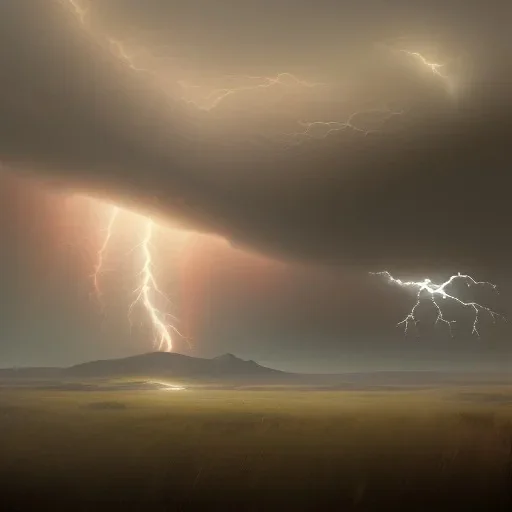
257 450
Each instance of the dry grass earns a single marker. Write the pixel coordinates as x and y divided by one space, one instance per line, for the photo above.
256 450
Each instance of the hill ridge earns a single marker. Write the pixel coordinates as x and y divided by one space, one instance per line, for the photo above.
172 363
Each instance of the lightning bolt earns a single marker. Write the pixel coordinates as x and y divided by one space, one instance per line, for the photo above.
208 99
431 290
146 293
323 129
78 9
433 66
212 99
148 289
205 102
120 51
215 97
98 267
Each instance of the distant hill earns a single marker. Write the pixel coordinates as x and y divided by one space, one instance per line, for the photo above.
154 364
231 371
163 364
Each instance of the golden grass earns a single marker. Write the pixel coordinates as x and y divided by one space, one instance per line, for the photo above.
184 446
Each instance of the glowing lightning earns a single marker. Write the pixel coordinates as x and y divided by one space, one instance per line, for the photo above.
433 289
79 10
205 102
117 47
98 268
216 96
433 66
121 53
322 129
145 296
148 287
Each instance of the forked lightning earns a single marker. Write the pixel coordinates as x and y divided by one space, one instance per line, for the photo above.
148 292
429 290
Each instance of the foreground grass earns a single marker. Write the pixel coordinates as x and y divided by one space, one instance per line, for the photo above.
258 450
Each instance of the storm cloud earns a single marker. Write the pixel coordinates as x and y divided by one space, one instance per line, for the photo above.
430 189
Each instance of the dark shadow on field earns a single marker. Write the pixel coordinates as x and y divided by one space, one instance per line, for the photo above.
218 450
324 487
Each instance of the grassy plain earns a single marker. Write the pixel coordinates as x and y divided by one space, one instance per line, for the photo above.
256 450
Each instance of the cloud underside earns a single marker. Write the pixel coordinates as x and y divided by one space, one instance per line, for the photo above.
432 188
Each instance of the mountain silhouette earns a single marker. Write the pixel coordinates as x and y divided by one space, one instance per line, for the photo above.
226 370
154 364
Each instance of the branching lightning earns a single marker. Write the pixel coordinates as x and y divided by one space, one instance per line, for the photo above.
98 268
323 129
429 290
433 66
79 10
208 99
148 287
195 96
119 50
146 293
213 99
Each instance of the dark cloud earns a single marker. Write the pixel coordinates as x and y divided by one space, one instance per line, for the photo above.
432 189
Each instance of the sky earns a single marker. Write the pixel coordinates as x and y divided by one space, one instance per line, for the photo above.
196 114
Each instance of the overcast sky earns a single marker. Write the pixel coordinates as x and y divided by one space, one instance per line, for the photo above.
427 190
